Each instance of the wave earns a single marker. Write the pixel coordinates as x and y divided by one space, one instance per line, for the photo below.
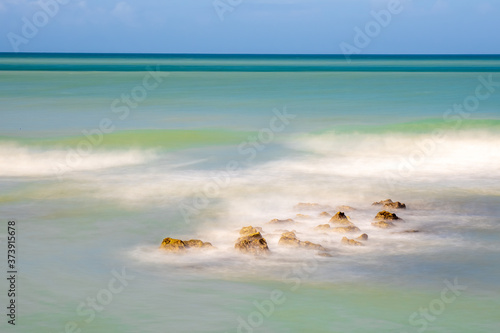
19 161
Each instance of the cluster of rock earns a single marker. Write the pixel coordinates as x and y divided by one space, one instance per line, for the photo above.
177 245
389 204
251 240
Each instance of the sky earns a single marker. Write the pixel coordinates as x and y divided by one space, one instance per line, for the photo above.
251 26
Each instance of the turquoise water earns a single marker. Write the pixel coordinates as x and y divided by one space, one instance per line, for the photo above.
101 157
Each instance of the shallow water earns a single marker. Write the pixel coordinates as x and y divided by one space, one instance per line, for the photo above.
200 157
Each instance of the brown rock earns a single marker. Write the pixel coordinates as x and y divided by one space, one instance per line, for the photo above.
325 214
172 245
290 239
395 205
385 215
324 254
363 237
307 205
196 243
313 246
340 219
406 231
345 208
276 221
303 216
250 230
383 202
344 230
383 224
347 241
177 245
251 242
323 227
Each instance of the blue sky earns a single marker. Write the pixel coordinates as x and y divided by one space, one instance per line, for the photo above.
250 26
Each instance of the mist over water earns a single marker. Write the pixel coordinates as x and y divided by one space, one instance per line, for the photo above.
352 142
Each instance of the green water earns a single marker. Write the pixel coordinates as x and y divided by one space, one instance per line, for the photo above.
95 184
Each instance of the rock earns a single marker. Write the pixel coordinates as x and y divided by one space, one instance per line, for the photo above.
172 245
340 219
177 245
324 254
313 246
196 243
363 237
250 230
276 221
385 215
345 208
322 227
406 232
251 242
325 214
303 216
344 230
347 241
383 202
389 204
290 239
307 205
383 224
395 205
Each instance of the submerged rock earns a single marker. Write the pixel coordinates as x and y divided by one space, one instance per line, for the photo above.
406 231
197 243
303 216
345 208
177 245
323 227
307 205
325 214
385 215
383 224
382 202
276 221
351 228
395 205
251 241
363 237
347 241
389 204
290 239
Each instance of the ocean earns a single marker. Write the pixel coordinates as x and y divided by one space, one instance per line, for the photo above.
104 156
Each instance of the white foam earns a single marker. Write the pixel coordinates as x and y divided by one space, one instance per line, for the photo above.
18 161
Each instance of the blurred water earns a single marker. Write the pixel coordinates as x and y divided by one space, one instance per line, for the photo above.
353 137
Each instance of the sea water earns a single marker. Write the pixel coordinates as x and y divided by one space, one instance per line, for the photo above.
103 156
